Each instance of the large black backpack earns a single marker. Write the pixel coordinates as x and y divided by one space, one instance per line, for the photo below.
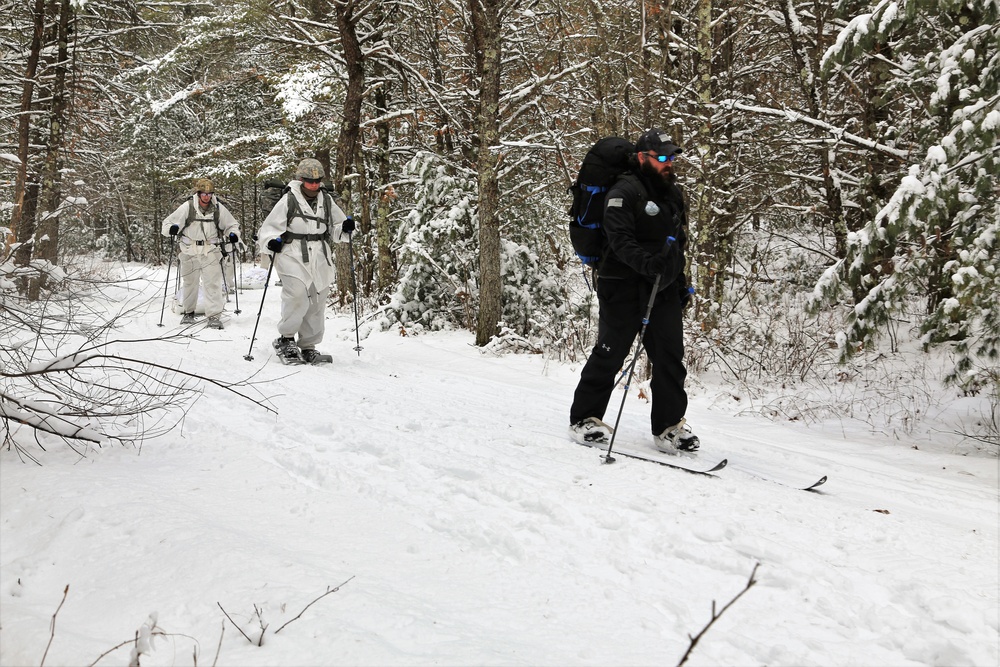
272 193
604 163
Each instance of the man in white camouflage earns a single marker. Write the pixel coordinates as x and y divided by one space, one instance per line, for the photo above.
199 226
299 231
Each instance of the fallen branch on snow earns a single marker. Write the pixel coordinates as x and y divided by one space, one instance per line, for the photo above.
716 616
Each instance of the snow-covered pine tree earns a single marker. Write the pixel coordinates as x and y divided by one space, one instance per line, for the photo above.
438 248
438 251
937 237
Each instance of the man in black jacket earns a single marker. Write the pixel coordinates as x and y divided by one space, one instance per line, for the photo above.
644 221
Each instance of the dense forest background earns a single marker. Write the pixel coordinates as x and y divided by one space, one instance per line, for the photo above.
840 159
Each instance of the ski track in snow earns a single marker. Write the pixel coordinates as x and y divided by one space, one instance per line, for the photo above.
443 481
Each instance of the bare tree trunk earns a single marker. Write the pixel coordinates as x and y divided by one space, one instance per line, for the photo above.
602 118
644 71
350 128
23 222
807 65
487 41
705 232
383 233
47 245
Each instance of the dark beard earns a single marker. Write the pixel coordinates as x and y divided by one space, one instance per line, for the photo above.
654 176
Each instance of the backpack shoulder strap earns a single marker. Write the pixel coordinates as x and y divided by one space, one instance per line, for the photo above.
190 217
215 219
293 205
328 205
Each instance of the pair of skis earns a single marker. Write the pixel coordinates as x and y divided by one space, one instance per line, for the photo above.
678 462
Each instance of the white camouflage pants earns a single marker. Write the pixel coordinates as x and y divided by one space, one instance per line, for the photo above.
202 269
303 312
229 273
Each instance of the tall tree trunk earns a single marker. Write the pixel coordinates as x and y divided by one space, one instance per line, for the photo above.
706 247
644 71
47 245
348 143
487 40
23 221
383 233
807 65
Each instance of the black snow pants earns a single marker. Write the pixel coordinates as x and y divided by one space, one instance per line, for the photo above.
623 304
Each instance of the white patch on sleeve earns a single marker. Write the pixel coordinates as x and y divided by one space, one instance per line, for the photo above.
616 202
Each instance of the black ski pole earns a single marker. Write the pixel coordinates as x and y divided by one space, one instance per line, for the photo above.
236 287
248 356
354 288
638 350
166 283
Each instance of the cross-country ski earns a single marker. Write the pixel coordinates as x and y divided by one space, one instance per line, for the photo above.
653 456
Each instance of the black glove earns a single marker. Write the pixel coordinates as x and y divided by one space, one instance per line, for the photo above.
666 264
274 245
174 229
684 291
233 238
348 225
684 294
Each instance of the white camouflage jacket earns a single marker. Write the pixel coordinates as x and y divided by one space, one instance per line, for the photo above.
201 236
308 259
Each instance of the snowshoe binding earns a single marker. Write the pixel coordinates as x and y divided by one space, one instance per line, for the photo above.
311 356
287 350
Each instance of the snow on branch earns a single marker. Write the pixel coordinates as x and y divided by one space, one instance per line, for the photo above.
38 416
94 394
833 130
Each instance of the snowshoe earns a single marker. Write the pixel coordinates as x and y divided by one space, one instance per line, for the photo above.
288 351
311 356
214 322
187 318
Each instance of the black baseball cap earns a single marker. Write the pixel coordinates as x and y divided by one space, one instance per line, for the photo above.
657 141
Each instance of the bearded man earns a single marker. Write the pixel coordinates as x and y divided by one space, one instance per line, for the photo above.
644 224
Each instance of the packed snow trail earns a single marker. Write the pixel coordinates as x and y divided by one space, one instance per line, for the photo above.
443 481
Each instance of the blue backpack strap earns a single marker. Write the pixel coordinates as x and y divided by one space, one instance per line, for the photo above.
591 190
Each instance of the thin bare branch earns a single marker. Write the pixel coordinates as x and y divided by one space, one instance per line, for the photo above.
332 590
52 626
234 623
716 616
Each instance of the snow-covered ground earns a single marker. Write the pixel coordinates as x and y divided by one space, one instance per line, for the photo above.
435 485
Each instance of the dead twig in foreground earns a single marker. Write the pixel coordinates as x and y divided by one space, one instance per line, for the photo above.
332 590
52 626
716 616
234 622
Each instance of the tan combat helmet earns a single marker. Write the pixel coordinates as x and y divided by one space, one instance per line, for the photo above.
204 185
310 168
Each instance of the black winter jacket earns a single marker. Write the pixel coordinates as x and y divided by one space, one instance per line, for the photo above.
638 219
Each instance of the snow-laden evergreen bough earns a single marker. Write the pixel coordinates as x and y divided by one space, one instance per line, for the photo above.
439 259
937 236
